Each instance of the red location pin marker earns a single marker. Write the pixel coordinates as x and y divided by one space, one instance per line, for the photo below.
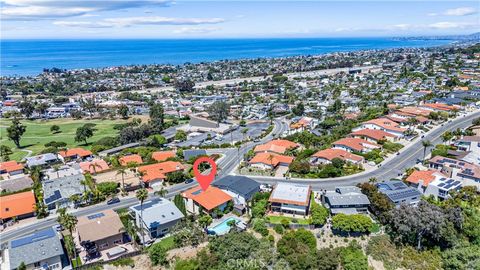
204 180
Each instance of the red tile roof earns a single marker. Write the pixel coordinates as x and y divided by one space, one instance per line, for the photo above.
163 155
413 111
271 159
277 146
75 152
386 124
425 176
125 160
97 165
11 166
17 204
330 154
208 199
440 106
375 134
355 143
159 171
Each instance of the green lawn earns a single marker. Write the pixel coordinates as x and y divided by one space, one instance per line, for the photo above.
77 262
38 133
167 243
278 220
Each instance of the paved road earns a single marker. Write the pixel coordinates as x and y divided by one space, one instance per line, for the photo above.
226 165
390 168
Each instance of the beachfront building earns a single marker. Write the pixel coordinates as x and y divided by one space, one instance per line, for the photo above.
290 198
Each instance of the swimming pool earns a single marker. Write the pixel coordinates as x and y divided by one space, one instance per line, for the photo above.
223 227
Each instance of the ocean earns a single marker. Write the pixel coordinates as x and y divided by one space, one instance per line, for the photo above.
30 57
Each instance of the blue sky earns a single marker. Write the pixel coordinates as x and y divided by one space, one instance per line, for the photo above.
233 19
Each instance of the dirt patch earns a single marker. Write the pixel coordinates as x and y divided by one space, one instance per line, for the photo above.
185 252
112 176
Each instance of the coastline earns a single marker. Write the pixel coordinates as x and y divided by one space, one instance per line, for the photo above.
28 58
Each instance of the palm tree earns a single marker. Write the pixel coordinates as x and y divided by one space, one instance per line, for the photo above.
94 165
162 192
56 168
68 221
122 171
75 198
425 144
270 158
447 136
36 173
372 180
142 195
244 132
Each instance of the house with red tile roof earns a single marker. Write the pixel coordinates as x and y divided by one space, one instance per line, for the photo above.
384 124
421 179
163 155
155 174
439 107
355 145
130 159
270 161
326 156
302 124
373 135
95 166
276 146
198 200
19 205
75 153
11 168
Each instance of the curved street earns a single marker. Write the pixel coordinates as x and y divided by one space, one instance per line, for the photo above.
390 168
232 156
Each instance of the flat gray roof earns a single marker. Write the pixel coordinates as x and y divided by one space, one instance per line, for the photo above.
291 192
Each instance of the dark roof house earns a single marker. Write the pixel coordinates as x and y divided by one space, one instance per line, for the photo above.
241 185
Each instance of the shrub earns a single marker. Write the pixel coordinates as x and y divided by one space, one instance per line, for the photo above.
278 229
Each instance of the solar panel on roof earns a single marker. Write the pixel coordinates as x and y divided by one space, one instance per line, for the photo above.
441 184
38 236
94 216
197 192
55 196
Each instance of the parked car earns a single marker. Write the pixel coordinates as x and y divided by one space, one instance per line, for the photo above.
58 227
188 181
113 201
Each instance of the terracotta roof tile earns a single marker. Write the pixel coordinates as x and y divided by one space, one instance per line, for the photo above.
17 204
159 171
75 152
125 160
11 166
163 155
208 199
271 159
330 154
